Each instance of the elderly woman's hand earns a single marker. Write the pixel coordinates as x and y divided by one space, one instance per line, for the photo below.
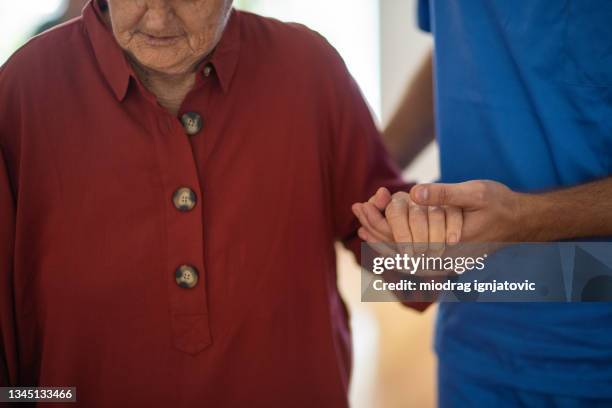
418 228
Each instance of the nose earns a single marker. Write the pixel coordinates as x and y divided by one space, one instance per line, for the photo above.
158 16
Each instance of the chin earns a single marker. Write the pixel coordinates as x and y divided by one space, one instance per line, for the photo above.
165 67
168 70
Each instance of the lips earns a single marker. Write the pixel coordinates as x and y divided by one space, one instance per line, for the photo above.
160 40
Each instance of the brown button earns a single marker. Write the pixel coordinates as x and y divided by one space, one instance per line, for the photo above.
192 122
184 199
207 70
186 276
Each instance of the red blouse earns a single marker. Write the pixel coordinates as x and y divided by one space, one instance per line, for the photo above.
153 260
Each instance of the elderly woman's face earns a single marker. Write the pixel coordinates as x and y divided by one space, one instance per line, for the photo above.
168 36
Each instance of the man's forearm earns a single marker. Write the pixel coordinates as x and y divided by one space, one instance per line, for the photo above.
576 212
411 128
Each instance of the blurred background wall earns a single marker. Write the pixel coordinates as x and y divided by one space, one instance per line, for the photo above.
394 365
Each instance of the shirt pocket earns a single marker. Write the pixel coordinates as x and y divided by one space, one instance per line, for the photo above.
587 42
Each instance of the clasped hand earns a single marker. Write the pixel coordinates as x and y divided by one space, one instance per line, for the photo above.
432 216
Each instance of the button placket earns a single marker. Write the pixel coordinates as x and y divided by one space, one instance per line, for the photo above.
184 270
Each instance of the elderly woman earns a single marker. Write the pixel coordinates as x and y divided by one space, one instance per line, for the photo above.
173 177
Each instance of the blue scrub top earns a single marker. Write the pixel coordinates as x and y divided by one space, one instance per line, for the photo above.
524 96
